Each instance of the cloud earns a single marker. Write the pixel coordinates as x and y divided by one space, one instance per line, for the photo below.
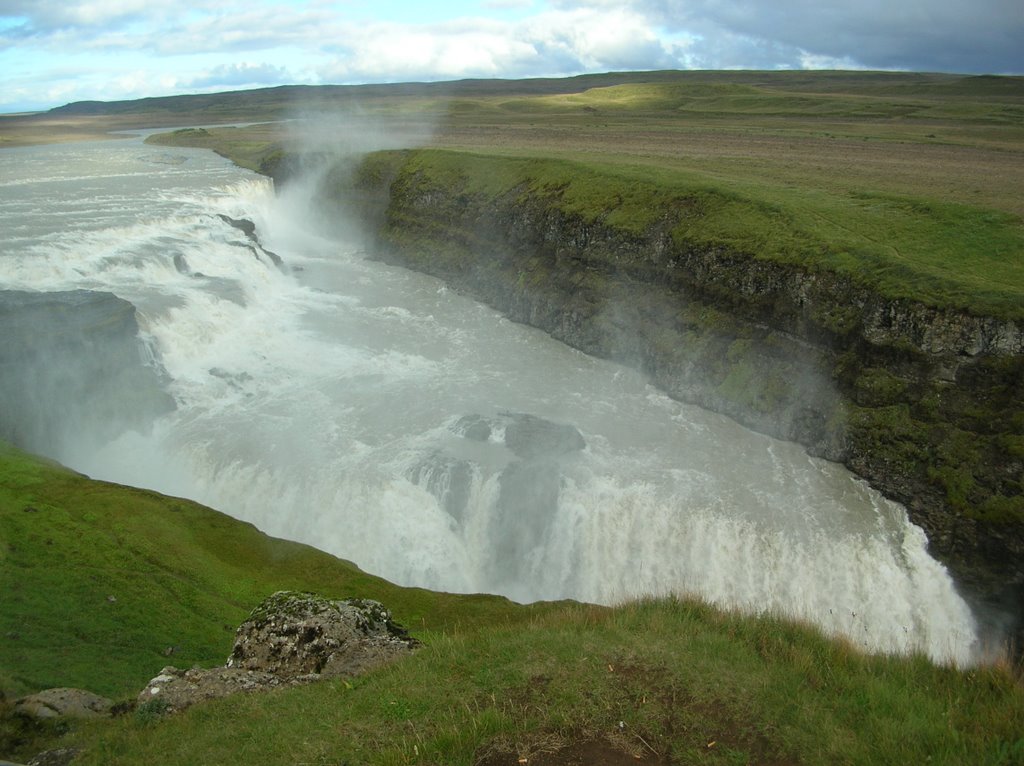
926 35
41 17
558 42
239 75
507 5
252 29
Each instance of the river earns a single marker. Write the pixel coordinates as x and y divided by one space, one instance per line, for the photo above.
362 408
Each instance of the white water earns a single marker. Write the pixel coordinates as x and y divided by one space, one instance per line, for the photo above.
308 401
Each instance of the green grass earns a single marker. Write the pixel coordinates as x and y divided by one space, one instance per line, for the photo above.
664 677
494 679
907 183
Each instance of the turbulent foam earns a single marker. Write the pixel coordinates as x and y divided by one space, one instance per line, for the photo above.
310 401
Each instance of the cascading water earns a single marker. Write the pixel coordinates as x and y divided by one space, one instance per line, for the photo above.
370 412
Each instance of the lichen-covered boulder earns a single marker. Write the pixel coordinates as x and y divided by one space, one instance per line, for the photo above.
63 703
293 635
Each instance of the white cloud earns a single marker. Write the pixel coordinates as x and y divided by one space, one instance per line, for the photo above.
507 5
40 17
556 42
238 75
254 29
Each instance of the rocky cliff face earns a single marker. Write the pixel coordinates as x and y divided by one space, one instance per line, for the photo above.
73 371
926 404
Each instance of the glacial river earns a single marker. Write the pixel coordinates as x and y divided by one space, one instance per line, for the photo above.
333 402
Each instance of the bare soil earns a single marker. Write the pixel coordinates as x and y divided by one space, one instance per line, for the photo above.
584 752
974 172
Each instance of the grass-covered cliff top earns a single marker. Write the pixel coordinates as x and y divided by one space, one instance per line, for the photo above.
940 253
98 581
908 183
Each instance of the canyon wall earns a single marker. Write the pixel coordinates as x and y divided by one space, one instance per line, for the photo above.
74 372
925 403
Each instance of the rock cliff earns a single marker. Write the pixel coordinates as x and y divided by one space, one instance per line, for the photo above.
74 372
926 403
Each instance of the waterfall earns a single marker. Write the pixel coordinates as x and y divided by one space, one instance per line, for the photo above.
368 411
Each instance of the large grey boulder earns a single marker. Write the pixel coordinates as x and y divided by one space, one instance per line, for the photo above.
63 703
294 634
291 638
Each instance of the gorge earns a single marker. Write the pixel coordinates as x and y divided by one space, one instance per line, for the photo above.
923 402
331 398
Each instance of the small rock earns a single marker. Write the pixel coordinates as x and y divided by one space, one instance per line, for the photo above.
531 437
290 639
59 757
178 689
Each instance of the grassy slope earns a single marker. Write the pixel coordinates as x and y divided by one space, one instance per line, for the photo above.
942 254
495 679
181 576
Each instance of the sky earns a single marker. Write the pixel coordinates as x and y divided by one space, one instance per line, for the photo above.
54 52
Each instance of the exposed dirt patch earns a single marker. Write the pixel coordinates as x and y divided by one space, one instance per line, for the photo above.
979 174
584 752
662 722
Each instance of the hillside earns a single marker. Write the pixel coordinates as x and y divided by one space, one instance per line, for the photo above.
101 580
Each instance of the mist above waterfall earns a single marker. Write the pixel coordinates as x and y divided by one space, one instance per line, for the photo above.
373 413
324 149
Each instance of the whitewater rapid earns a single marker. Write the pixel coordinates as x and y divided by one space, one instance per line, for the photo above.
321 401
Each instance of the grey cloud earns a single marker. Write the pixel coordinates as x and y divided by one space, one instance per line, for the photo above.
949 35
